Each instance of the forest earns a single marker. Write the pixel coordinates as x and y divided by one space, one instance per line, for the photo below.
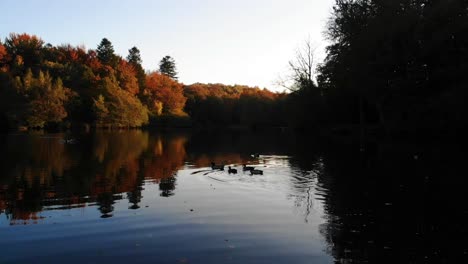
47 86
396 66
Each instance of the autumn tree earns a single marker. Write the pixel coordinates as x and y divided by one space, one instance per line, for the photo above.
25 50
167 67
117 107
126 76
70 54
163 91
3 52
36 101
3 58
218 104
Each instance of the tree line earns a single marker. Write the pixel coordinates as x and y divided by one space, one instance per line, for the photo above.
397 65
52 86
44 85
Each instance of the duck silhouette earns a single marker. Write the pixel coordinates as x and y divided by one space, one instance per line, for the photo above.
247 168
258 172
233 171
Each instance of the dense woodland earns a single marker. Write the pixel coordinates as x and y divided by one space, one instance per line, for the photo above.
47 86
398 65
404 62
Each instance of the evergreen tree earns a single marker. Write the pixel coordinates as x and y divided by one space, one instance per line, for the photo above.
105 52
167 67
134 58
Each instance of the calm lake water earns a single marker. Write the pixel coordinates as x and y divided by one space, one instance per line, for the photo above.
143 197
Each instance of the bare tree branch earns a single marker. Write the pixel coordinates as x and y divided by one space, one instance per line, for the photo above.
301 69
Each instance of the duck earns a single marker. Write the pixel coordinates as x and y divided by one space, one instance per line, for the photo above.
233 171
68 141
247 168
259 172
216 167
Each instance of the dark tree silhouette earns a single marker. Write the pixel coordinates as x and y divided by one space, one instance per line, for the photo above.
105 52
301 69
134 58
167 67
403 60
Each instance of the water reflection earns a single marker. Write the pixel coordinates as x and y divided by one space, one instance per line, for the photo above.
380 205
41 172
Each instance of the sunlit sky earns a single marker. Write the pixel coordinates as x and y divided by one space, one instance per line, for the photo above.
212 41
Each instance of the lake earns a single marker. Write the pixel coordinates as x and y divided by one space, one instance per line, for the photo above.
146 197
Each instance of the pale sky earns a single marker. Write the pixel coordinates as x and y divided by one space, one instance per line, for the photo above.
212 41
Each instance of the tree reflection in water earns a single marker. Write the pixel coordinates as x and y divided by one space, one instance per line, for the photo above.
381 205
41 173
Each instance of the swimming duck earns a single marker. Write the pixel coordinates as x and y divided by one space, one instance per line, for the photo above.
68 141
259 172
247 168
216 167
233 171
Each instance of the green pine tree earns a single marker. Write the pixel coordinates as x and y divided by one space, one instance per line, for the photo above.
134 58
167 67
105 52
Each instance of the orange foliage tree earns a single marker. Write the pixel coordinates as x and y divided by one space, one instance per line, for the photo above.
162 90
219 104
3 52
92 61
3 55
72 54
126 75
27 47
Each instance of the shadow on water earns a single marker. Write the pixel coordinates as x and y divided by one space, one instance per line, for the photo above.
393 202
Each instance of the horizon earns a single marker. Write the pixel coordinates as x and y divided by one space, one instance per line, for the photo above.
205 50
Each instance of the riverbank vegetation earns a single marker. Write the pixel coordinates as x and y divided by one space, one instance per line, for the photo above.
397 65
